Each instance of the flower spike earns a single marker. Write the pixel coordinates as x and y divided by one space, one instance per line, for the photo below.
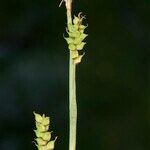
43 136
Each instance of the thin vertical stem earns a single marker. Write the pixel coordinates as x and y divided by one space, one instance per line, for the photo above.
72 89
72 104
69 10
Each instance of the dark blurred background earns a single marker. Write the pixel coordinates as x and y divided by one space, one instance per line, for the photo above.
113 80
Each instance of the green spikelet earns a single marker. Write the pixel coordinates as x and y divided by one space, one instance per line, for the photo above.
75 37
43 136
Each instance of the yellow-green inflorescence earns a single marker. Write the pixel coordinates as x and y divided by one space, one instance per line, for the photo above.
43 136
76 37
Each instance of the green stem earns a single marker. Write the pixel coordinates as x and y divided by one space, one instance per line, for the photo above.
72 89
72 104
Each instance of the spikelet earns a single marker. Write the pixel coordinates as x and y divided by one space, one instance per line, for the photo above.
43 136
76 36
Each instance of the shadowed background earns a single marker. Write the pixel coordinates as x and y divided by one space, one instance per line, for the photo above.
113 80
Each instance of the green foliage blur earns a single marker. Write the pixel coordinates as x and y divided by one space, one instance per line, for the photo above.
113 80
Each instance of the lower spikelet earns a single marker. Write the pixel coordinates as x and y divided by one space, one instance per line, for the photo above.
43 136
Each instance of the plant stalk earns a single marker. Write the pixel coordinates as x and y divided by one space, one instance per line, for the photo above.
72 104
72 88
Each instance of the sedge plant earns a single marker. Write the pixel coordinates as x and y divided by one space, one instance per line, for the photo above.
76 36
75 40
